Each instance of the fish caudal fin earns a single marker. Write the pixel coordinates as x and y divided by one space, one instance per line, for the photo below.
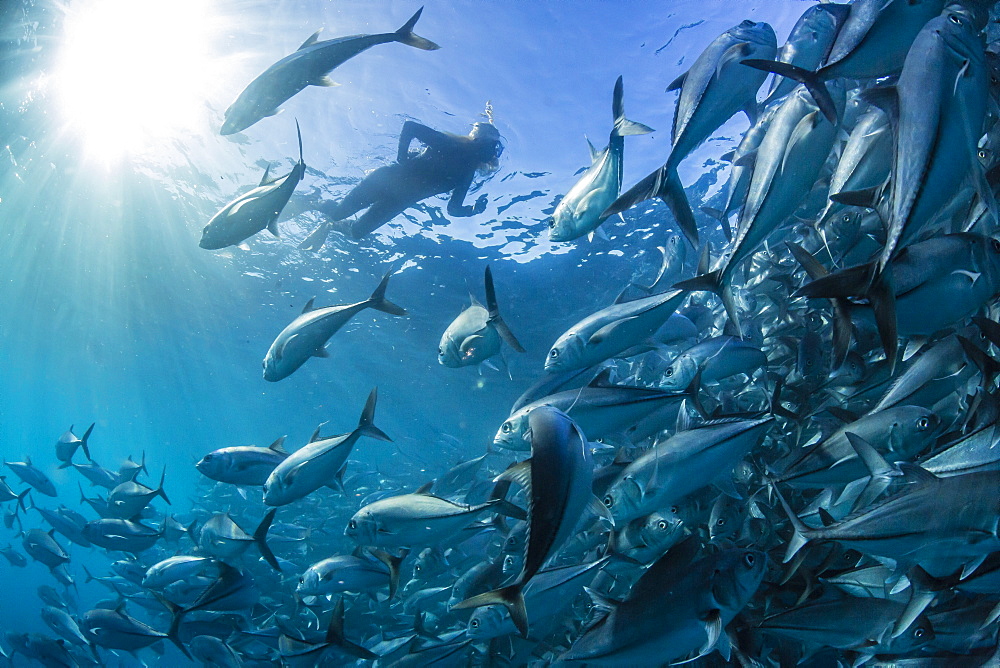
159 489
83 442
378 301
510 597
811 80
665 184
712 282
800 537
366 424
260 538
392 563
623 126
176 617
494 314
409 38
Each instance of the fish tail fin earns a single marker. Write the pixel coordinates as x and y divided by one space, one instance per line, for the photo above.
298 131
378 301
811 80
392 563
20 500
881 294
260 537
623 126
800 537
665 184
335 634
366 423
510 597
159 489
713 282
83 443
176 617
494 314
410 38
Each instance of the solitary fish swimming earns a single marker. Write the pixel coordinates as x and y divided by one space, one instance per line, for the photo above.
308 66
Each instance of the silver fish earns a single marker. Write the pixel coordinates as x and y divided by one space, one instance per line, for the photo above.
475 335
308 66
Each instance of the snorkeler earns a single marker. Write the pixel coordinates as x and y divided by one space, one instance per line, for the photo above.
448 163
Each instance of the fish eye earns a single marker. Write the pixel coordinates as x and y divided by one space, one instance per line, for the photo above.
918 632
955 19
551 222
352 525
749 559
553 353
609 501
474 623
923 423
996 245
982 154
669 372
674 509
661 524
505 428
720 522
847 218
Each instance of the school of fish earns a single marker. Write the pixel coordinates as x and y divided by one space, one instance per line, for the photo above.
784 450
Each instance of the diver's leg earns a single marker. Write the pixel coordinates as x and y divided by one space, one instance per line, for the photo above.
361 196
376 216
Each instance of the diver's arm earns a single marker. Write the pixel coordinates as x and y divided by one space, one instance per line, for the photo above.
428 136
456 207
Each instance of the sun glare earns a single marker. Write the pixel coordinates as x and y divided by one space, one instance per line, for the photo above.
133 73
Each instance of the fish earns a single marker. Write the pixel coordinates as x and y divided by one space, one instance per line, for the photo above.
715 88
349 573
714 359
308 66
180 567
116 629
32 476
318 462
601 409
679 606
308 334
255 210
128 499
243 464
611 331
579 212
873 41
221 537
808 44
121 535
789 160
417 519
43 547
558 479
682 464
68 444
475 335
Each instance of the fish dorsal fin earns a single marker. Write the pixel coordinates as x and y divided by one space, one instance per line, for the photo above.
315 435
309 305
263 179
825 517
677 83
425 488
312 39
683 418
277 446
918 473
748 159
595 155
735 53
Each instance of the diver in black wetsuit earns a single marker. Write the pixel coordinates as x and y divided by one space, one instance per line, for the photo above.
447 163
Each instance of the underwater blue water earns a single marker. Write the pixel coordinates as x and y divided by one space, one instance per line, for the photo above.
112 314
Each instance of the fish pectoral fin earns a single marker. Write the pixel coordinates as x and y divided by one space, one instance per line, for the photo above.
518 473
734 54
321 352
972 275
606 332
713 627
325 82
272 227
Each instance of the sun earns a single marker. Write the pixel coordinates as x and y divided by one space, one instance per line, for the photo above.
132 73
